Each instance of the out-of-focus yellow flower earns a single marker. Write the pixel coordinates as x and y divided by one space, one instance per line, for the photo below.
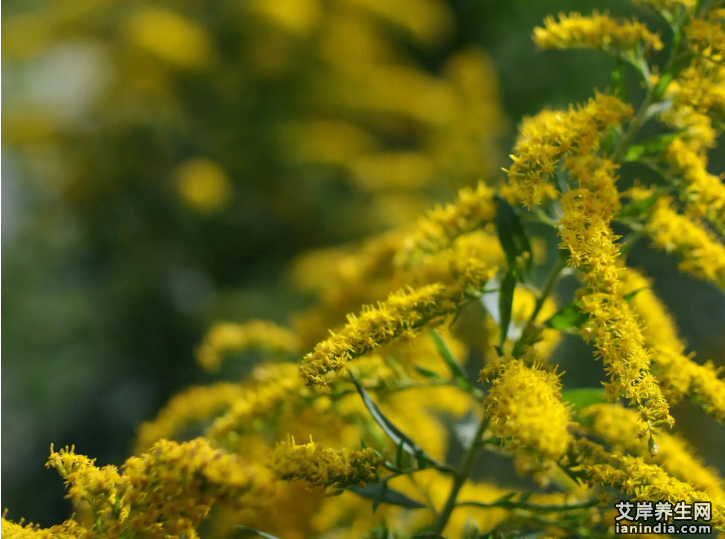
427 21
194 405
203 185
525 404
227 337
679 375
669 7
701 253
594 32
642 481
443 224
619 427
296 16
170 36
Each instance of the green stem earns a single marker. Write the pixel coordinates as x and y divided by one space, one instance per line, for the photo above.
548 287
531 506
467 463
634 128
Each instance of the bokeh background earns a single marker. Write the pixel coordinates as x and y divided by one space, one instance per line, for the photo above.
167 165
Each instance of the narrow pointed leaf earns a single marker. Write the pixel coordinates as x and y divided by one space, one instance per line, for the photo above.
505 303
511 234
459 375
582 397
567 317
384 494
393 432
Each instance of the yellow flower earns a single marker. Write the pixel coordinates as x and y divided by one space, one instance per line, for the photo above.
586 232
170 36
701 254
620 427
203 185
678 374
637 479
443 224
272 387
224 338
70 529
401 316
194 405
550 135
525 404
594 32
332 469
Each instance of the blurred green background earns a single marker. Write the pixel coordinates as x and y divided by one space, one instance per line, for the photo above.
164 164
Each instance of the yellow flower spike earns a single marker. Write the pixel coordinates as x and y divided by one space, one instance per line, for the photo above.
525 404
639 480
443 224
173 486
550 135
70 529
678 374
619 427
166 491
224 338
701 254
586 232
196 404
594 32
332 469
401 316
272 387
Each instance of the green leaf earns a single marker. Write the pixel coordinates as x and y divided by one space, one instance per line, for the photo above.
583 397
459 375
381 493
650 146
511 234
427 535
670 75
505 303
256 532
393 432
630 296
429 374
636 208
567 317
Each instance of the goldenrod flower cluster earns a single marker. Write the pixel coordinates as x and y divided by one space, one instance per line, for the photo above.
525 405
551 135
620 429
640 480
256 334
401 316
323 466
443 224
679 375
70 529
701 254
594 32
